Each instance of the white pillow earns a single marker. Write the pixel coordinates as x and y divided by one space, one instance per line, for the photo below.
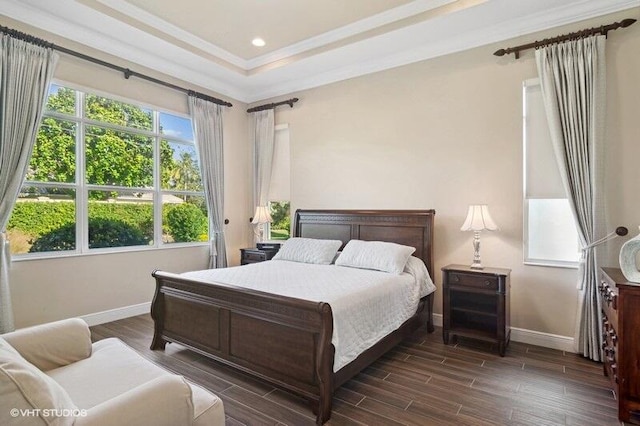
308 250
377 255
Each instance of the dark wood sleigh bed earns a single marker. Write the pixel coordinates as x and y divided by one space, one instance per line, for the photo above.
284 340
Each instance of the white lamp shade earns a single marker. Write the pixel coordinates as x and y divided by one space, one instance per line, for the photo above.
478 219
262 215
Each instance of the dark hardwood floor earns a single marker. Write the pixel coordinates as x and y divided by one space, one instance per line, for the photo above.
420 382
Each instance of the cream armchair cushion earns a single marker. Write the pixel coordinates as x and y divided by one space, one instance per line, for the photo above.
26 393
52 345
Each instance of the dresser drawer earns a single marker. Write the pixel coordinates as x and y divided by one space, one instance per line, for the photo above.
609 302
473 281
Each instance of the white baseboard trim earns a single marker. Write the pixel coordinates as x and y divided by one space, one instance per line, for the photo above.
117 314
548 340
437 320
531 337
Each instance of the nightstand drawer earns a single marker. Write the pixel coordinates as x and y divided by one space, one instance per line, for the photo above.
252 256
474 281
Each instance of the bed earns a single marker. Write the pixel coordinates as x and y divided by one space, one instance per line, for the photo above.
285 340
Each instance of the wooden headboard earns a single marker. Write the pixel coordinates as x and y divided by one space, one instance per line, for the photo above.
407 227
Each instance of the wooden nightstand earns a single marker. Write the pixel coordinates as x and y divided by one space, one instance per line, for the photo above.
254 255
476 304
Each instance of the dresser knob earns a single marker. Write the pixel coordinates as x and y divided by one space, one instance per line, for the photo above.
487 283
455 278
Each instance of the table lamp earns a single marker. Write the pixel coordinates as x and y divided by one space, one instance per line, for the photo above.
261 217
478 219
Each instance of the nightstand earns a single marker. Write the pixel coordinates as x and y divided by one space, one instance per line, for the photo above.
476 304
254 255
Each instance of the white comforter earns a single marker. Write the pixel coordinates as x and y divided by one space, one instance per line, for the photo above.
367 305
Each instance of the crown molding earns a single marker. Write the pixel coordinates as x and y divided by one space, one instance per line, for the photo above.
174 31
393 15
423 41
366 24
74 21
489 22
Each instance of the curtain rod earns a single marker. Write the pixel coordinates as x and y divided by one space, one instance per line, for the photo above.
289 102
126 71
564 37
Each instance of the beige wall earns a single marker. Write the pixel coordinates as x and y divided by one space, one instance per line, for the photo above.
446 133
438 134
52 289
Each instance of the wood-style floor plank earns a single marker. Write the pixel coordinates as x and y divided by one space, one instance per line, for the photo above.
419 382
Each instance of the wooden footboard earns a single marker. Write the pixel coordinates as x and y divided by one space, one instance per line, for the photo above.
283 340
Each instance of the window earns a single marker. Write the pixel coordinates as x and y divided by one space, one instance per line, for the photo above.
550 234
106 174
279 188
280 228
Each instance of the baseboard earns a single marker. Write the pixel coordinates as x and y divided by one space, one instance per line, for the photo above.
547 340
117 314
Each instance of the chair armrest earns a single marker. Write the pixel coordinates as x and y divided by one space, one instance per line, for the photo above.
52 345
164 401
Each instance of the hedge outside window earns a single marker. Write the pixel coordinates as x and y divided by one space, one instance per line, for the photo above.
107 174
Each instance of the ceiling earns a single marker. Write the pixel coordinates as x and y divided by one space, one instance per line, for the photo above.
308 43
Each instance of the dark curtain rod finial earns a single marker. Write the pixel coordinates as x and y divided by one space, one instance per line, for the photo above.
622 231
289 102
604 29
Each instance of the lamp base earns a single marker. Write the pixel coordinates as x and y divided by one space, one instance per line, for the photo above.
476 251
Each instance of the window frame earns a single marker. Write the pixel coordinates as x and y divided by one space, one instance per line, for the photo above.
82 188
525 197
273 199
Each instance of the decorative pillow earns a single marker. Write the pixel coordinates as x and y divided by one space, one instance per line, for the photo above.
309 250
24 387
377 255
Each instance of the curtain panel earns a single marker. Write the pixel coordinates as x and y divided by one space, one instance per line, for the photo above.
264 142
572 76
207 129
25 74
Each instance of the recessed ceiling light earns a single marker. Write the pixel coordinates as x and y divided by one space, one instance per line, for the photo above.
258 42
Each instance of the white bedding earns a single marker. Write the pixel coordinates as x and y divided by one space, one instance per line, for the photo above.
367 305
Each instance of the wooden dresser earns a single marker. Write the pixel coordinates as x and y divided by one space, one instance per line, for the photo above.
620 301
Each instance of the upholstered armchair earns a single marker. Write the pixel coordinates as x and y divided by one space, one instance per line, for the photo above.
53 374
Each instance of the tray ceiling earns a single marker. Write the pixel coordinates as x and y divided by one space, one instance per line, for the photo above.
308 43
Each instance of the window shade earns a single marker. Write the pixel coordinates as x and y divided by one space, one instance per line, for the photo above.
280 187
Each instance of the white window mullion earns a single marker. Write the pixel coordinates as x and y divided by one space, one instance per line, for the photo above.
82 209
157 184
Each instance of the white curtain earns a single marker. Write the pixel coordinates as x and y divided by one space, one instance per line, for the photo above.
264 141
572 76
207 128
25 73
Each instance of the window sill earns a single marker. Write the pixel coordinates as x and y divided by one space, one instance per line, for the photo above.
552 264
98 252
